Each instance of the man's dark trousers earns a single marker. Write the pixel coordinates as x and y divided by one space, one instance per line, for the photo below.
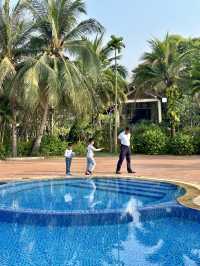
125 152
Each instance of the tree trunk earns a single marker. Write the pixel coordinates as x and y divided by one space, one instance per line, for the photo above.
38 140
116 105
52 121
3 131
111 133
14 132
173 131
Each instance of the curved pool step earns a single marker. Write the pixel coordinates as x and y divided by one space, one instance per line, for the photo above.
119 187
164 186
138 192
134 185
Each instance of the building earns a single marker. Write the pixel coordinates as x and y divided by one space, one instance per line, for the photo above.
146 107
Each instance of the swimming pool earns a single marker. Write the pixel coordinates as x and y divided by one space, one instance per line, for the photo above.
96 222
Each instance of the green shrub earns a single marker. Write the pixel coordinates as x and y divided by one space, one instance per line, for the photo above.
52 146
149 139
24 148
182 144
81 131
79 148
2 152
195 132
153 141
196 143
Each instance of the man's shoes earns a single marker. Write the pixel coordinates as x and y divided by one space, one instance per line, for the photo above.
118 173
131 172
88 173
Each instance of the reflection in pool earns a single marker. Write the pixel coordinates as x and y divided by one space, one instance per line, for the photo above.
167 242
98 222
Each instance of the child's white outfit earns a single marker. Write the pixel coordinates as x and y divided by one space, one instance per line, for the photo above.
69 154
90 158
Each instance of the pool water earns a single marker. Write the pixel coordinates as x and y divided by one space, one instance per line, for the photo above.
166 242
96 222
88 194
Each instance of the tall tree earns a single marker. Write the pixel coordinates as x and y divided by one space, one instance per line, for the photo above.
14 34
116 43
104 86
55 75
161 71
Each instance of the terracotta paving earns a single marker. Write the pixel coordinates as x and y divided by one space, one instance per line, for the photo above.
186 169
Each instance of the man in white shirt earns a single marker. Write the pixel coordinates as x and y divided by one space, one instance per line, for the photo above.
125 151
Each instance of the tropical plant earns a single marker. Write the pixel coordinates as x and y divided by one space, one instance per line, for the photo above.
14 34
161 71
116 43
148 138
182 144
195 76
104 86
53 77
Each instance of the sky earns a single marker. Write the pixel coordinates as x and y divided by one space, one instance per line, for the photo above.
141 20
138 21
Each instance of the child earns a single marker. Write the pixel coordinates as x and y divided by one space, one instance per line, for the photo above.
90 157
69 154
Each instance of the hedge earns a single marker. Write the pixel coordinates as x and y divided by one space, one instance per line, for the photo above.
151 141
182 144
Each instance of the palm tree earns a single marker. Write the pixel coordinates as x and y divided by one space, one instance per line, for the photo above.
116 43
54 74
195 76
14 34
161 71
104 87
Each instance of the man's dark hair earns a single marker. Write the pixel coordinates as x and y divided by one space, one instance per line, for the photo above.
91 139
69 145
127 129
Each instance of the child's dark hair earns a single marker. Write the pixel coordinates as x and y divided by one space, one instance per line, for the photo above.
90 140
69 145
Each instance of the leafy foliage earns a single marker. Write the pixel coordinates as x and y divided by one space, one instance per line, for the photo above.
80 148
182 144
162 71
24 148
2 152
52 146
149 139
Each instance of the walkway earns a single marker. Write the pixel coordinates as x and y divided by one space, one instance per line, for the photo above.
176 168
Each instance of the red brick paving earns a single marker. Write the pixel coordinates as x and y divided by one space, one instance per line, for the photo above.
185 168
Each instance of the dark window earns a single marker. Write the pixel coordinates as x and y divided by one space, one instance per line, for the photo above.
141 114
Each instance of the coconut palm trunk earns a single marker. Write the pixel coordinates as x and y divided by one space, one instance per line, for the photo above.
111 133
14 132
116 44
38 140
3 131
116 103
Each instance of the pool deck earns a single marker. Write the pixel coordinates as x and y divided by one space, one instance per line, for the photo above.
184 169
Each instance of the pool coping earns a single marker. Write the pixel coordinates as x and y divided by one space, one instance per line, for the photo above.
191 198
